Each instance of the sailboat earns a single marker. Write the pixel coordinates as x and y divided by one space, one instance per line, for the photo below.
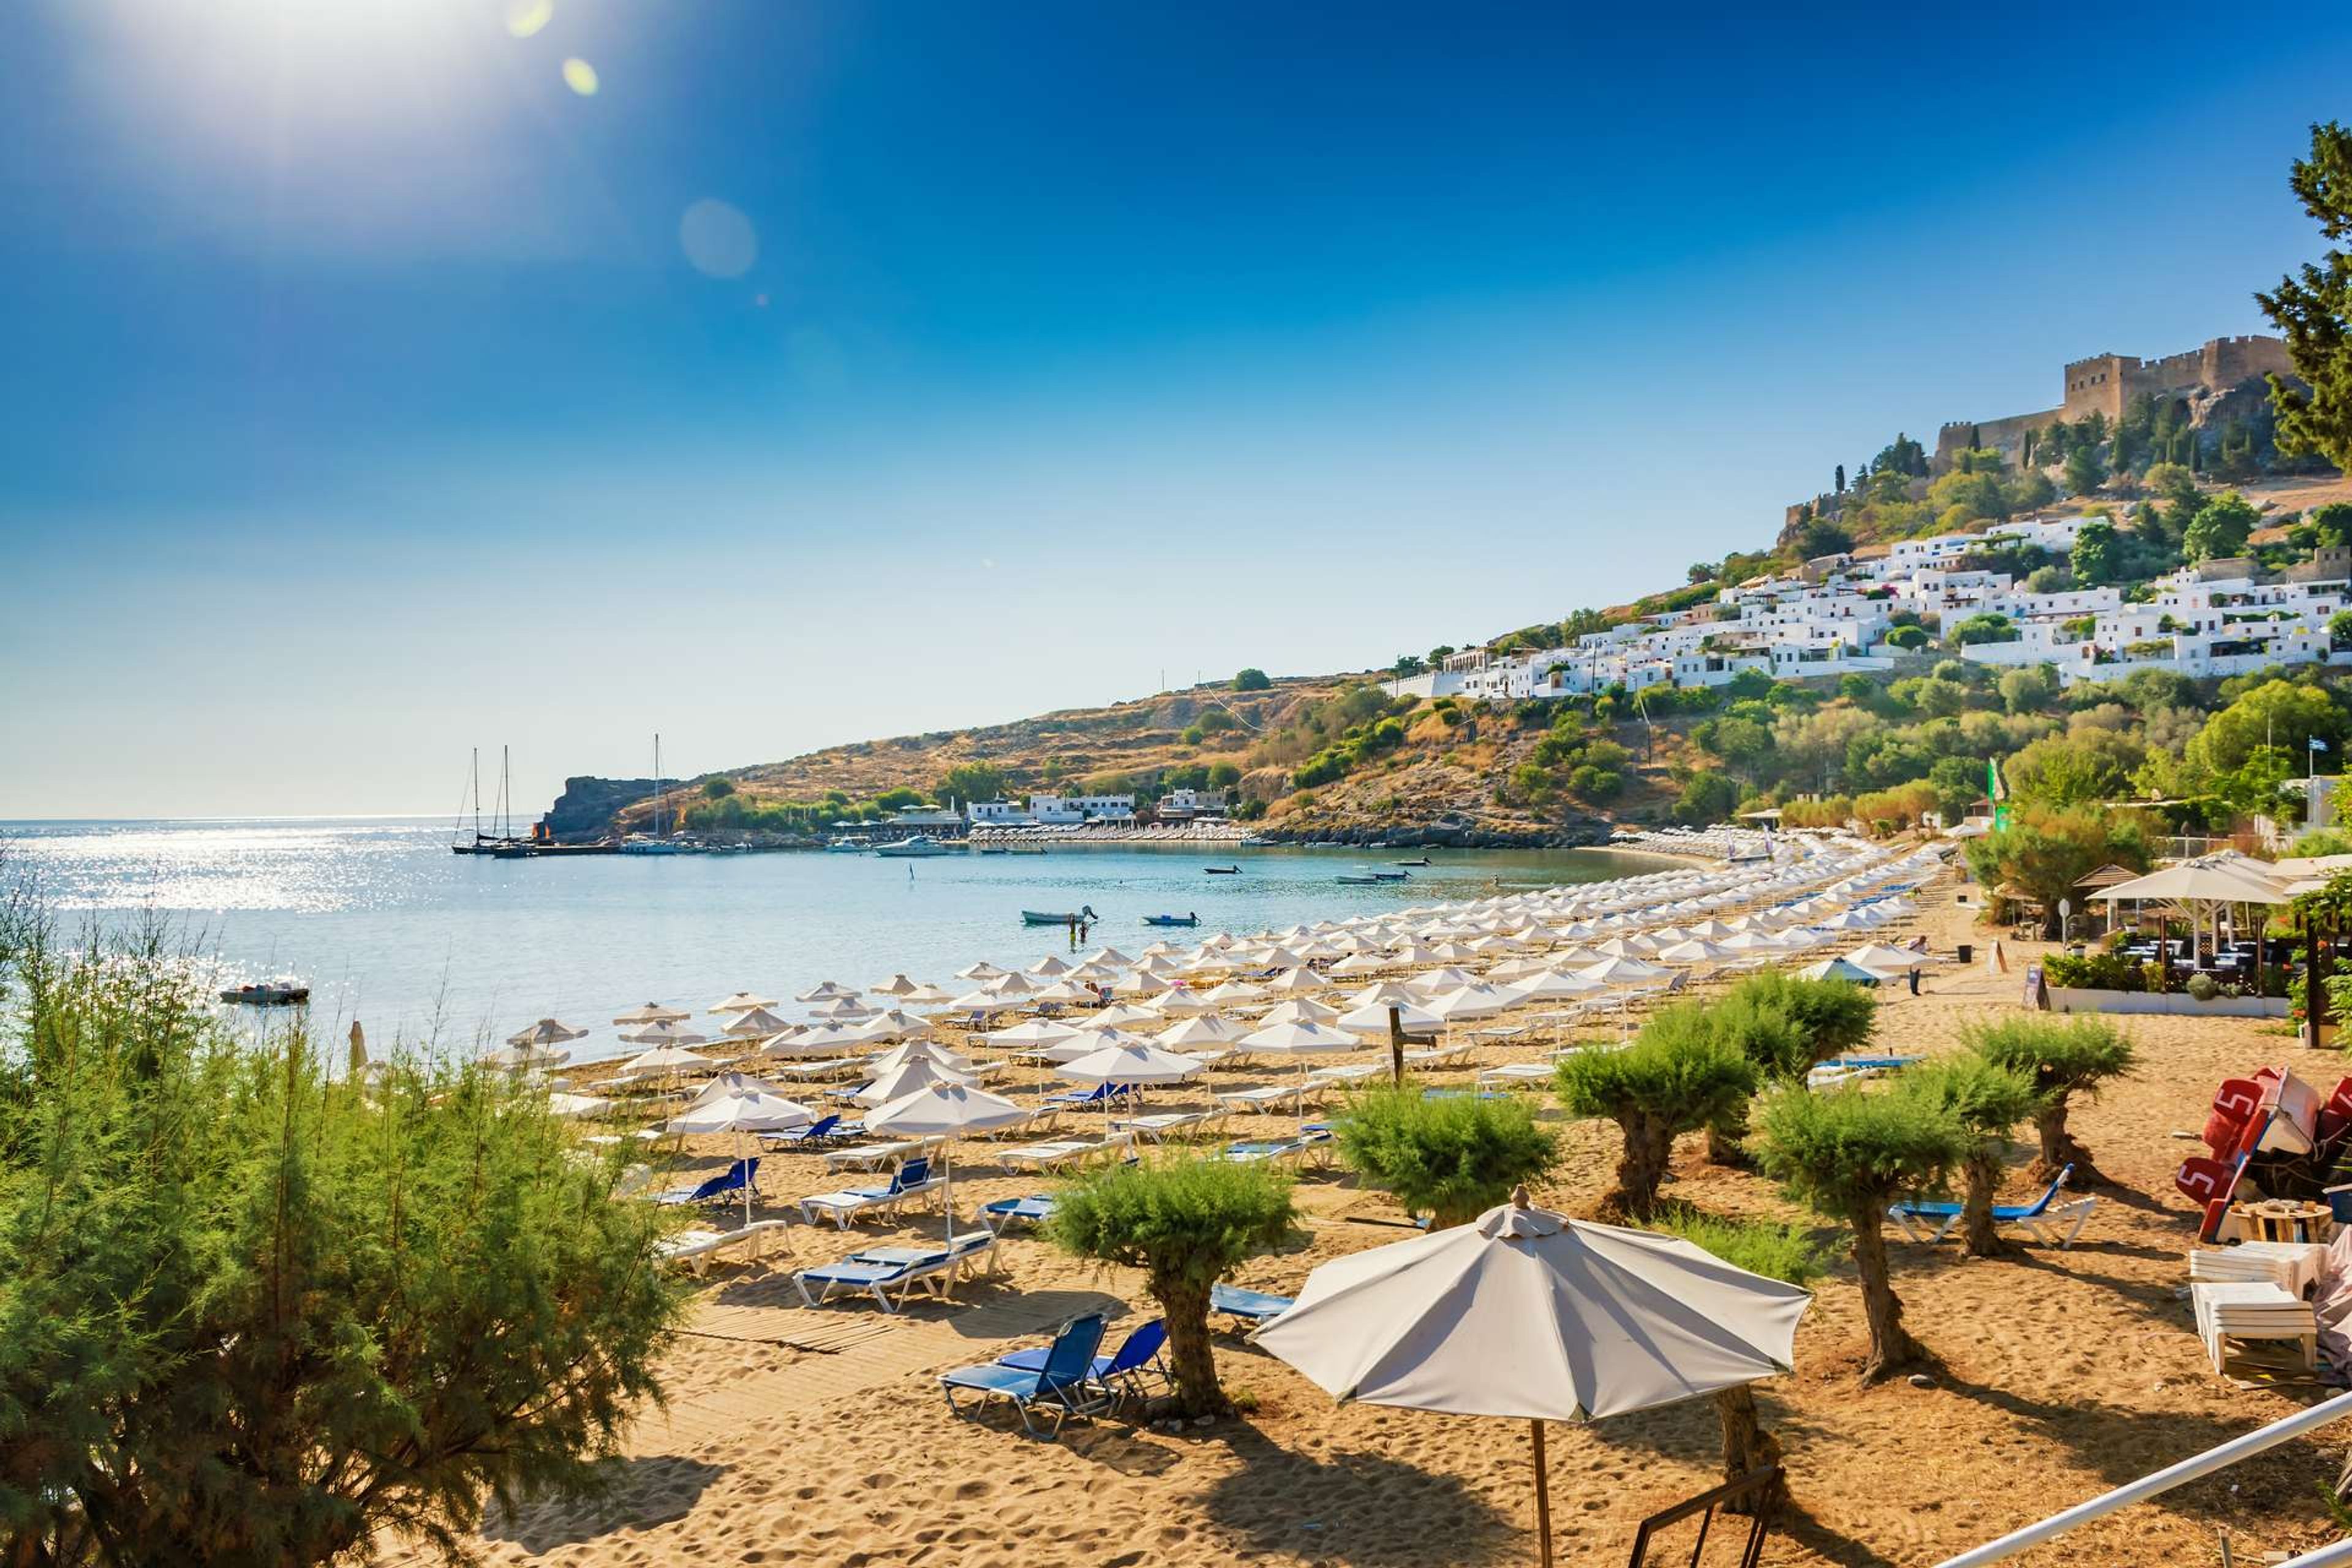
501 818
659 841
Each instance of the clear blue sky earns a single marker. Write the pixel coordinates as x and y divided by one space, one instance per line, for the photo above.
365 402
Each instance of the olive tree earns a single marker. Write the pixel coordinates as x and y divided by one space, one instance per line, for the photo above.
252 1313
1450 1159
1850 1154
1186 1223
1832 1017
1676 1077
2063 1057
1782 1252
1988 1100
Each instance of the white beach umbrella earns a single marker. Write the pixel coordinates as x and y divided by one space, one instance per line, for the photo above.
653 1013
828 991
905 1078
1120 1016
1468 1002
898 986
1034 1033
755 1023
572 1107
1050 967
1206 1029
1136 1062
1011 987
1299 1010
981 971
943 1110
1373 1019
817 1040
1063 994
1530 1315
522 1058
1554 985
888 1028
1887 959
1300 1039
1387 994
1363 964
845 1008
546 1032
739 1103
1431 983
1623 971
929 1051
923 996
667 1059
1234 993
1295 982
1139 983
741 1002
1182 1003
1693 950
669 1032
1839 969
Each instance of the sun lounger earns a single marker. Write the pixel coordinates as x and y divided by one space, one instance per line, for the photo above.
1353 1073
1439 1057
1056 1156
874 1156
1262 1096
727 1185
839 1066
1073 1098
1131 1370
1316 1146
2253 1310
2293 1267
1003 1212
880 1271
1511 1074
1039 1119
696 1250
823 1130
1249 1308
911 1181
1174 1124
1057 1390
1931 1222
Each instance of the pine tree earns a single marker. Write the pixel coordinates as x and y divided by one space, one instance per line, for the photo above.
2315 310
1840 479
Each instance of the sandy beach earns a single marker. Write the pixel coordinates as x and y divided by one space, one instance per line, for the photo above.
820 1436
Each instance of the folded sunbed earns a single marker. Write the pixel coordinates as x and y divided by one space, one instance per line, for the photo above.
1064 1152
1130 1371
1031 1210
697 1250
1249 1308
727 1184
1169 1124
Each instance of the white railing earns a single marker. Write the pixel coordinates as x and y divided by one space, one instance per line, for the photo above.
2338 1555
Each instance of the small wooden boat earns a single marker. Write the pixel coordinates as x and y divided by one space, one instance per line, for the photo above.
282 993
1423 862
1389 876
1186 920
1222 870
1085 915
1359 881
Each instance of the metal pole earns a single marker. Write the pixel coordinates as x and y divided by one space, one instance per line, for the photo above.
2255 1442
2336 1556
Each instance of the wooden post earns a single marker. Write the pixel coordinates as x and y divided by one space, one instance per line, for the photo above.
1396 1047
1543 1501
2314 993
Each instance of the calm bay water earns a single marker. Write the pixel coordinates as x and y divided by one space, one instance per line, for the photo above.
390 928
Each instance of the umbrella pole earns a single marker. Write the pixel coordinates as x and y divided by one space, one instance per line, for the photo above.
1543 1500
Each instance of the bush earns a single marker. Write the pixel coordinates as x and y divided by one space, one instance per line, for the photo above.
1676 1077
1850 1154
2094 972
1988 1100
1185 1222
220 1267
2064 1057
718 789
1450 1159
1832 1017
1252 679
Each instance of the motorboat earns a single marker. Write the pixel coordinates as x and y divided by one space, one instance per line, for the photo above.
1186 920
1085 915
283 992
921 847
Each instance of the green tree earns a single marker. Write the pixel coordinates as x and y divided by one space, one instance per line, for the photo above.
1252 679
718 789
1706 798
1185 1222
2064 1057
253 1314
1450 1159
2076 769
2176 484
1907 638
1850 1154
968 782
2045 850
1988 1100
2277 714
2314 310
2028 689
1676 1077
2220 526
1831 1016
1818 537
1771 1043
2093 560
2331 525
2085 473
1782 1252
2340 629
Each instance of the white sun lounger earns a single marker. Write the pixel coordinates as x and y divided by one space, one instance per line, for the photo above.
696 1250
2251 1310
874 1156
1514 1073
912 1181
1040 1119
1174 1124
839 1067
1353 1073
880 1271
1439 1057
1260 1096
1063 1153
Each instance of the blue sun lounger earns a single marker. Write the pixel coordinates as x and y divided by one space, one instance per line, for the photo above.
726 1184
1249 1308
1123 1371
1031 1210
1931 1222
911 1181
1057 1390
825 1129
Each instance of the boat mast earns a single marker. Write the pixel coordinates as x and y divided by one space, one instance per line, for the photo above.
506 797
657 787
477 794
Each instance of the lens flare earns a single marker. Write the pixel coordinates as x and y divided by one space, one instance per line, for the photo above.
526 17
719 241
580 77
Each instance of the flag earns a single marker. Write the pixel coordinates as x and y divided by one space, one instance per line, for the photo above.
2317 744
1994 789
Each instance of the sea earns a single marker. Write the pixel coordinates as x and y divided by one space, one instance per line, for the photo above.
424 947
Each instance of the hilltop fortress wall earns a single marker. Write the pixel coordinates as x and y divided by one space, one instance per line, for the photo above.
2106 384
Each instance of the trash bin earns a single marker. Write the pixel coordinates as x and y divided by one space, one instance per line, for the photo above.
1966 953
2339 1202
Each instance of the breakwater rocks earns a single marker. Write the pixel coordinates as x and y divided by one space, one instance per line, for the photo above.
587 806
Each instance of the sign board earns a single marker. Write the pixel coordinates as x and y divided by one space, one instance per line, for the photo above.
2035 996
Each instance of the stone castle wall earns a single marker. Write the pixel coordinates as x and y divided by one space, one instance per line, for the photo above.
2106 384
